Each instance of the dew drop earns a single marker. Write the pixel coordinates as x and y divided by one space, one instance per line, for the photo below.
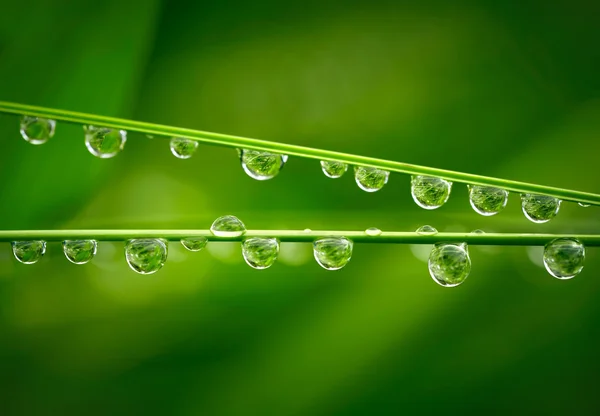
103 142
183 148
477 232
370 179
37 130
146 255
260 253
261 165
80 251
194 243
581 204
539 208
487 200
332 253
307 230
449 264
28 252
333 169
429 192
564 257
228 226
426 230
373 231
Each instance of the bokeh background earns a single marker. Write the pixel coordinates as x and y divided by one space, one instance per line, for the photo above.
500 88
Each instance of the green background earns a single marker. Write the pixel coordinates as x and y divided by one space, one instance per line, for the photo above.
501 88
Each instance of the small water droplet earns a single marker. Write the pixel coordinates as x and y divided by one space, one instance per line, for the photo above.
564 257
487 200
581 204
183 148
80 251
28 252
426 230
37 130
261 165
370 179
429 192
146 255
539 208
332 253
194 243
333 169
103 142
228 226
260 253
449 264
307 230
373 231
477 232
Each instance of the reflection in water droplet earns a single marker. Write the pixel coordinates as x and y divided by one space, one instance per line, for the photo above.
332 253
261 165
581 204
183 148
194 243
564 257
228 226
80 251
333 169
37 130
103 142
539 208
28 252
426 230
373 231
260 253
449 264
370 179
429 192
146 255
487 200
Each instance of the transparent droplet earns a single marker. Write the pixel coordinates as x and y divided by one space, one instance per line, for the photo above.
487 200
183 148
37 130
332 253
373 231
194 243
307 230
564 257
146 255
429 192
333 169
28 252
228 226
103 142
539 208
261 165
477 232
80 251
426 230
370 179
581 204
449 264
260 253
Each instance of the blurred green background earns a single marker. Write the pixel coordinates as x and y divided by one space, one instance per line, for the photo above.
500 88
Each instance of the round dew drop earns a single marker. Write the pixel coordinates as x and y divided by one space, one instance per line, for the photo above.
261 165
183 148
486 200
332 253
194 243
80 251
146 255
429 192
426 230
103 142
564 258
373 231
37 130
260 253
539 208
449 264
228 226
370 179
28 252
333 169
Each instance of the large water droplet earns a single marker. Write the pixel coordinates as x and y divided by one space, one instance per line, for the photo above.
564 257
37 130
333 169
449 264
332 253
429 192
146 255
373 231
194 243
260 253
487 200
228 226
539 208
261 165
80 251
103 142
28 252
370 179
426 230
183 148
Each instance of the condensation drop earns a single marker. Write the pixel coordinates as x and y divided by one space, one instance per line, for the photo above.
80 251
307 230
429 192
28 252
261 165
581 204
539 208
370 179
260 253
332 253
449 264
487 200
564 257
426 230
37 130
477 232
228 226
183 148
333 169
146 255
373 231
103 142
194 243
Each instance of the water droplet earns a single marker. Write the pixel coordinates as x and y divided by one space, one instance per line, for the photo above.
487 200
373 231
539 208
429 192
564 257
449 264
183 148
332 253
37 130
370 179
581 204
28 252
307 230
426 230
103 142
228 226
194 243
477 232
80 251
260 253
261 165
333 169
146 255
